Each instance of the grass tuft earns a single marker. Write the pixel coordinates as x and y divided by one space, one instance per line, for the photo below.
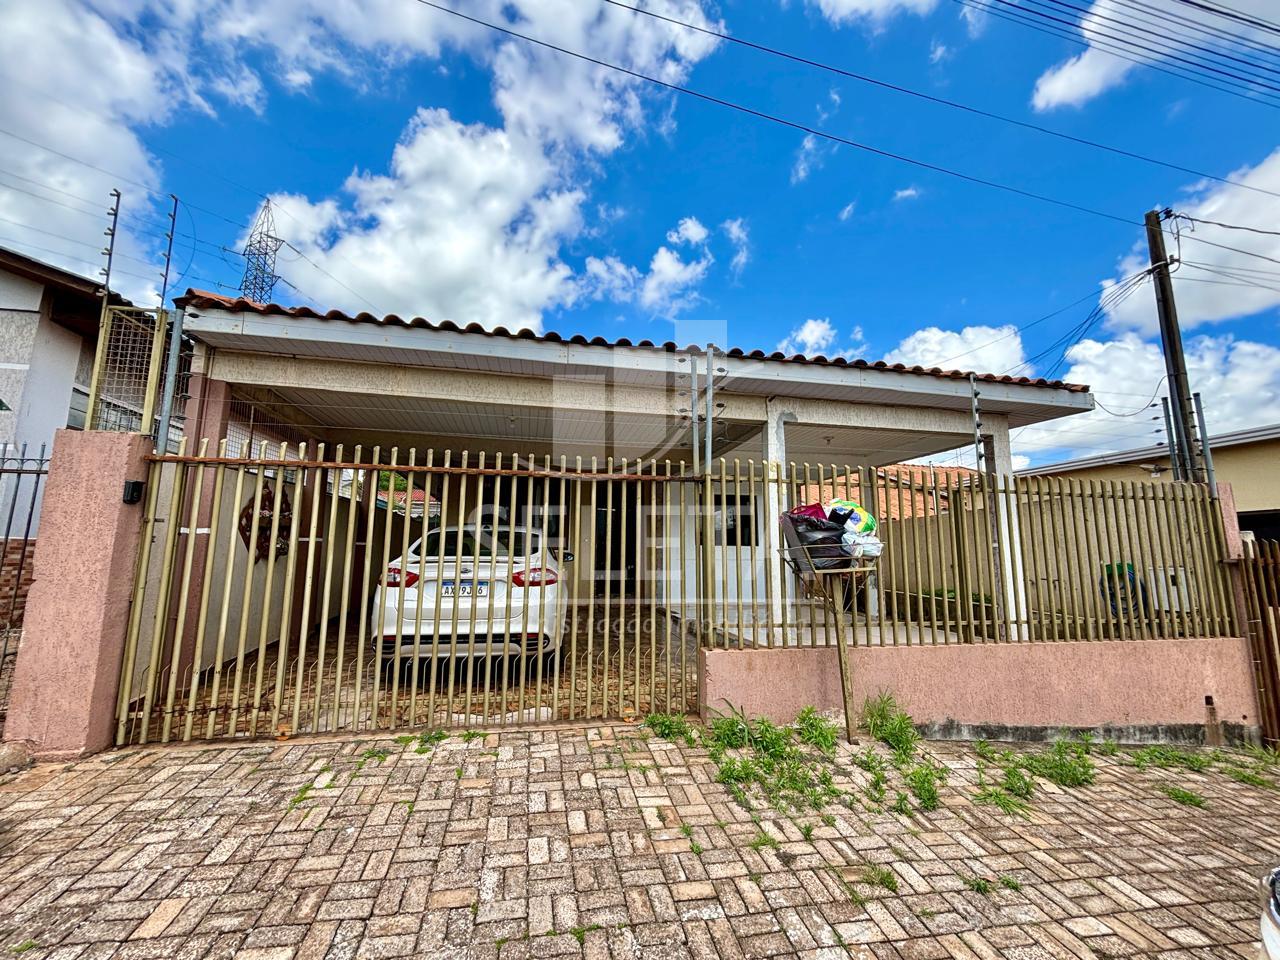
878 875
978 884
1188 798
671 726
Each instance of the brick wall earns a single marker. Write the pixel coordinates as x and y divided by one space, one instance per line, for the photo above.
15 580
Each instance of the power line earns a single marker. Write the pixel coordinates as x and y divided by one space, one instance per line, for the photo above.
942 101
1231 226
1127 39
1239 16
1073 35
1207 29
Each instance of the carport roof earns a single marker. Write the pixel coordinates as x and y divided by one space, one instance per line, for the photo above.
202 299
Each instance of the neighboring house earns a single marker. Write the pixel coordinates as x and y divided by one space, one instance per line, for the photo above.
1249 460
48 335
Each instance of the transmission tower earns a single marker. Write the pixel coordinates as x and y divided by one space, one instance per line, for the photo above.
260 257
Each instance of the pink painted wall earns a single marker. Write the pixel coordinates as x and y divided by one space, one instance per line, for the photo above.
68 668
1021 684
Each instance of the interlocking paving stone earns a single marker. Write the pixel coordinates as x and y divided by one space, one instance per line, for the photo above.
601 842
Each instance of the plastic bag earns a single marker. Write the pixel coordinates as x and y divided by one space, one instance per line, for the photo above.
812 510
862 544
822 540
853 516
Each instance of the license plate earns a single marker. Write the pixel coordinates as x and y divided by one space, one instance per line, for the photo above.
467 588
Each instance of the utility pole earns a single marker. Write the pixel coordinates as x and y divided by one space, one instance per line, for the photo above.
104 318
1171 341
260 257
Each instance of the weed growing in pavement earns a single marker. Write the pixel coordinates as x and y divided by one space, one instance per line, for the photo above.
686 830
302 794
816 730
978 884
892 726
828 820
806 831
850 890
763 840
405 739
1010 883
1250 777
878 875
24 946
671 726
901 804
580 933
923 779
695 847
1188 798
1066 763
427 741
374 754
1002 800
1167 758
469 735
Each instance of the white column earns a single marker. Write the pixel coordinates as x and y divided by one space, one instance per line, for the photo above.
775 460
999 462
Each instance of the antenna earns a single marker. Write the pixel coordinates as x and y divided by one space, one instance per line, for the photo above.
260 257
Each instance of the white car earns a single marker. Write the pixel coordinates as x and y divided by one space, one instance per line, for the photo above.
1271 915
486 593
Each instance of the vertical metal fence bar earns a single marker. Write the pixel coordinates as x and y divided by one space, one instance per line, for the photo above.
1084 599
174 521
368 480
316 478
124 700
333 480
344 594
419 560
460 526
496 547
504 636
277 500
593 532
290 572
575 598
246 596
224 605
543 629
184 589
476 536
567 588
380 636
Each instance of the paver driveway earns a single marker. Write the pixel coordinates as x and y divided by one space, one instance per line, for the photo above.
601 841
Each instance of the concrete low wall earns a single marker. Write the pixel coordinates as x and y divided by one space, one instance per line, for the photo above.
1133 689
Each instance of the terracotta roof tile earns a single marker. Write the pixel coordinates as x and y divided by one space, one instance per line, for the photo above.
202 299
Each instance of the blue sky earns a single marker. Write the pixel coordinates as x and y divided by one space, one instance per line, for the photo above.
425 166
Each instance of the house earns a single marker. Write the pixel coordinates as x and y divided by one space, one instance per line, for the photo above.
1246 459
48 333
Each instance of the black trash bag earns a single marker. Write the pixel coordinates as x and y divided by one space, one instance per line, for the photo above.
822 541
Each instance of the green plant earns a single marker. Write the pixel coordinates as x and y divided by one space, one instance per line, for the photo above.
1065 763
695 847
1017 783
923 779
469 735
671 726
983 749
901 804
1249 777
816 730
686 830
806 831
978 884
1003 800
300 796
1010 883
405 738
763 840
1187 798
1167 757
375 754
878 875
828 820
580 933
24 946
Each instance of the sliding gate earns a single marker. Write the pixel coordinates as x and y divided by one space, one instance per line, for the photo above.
286 591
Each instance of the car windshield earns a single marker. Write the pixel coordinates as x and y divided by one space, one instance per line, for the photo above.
512 543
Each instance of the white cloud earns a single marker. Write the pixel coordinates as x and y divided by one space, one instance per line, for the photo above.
807 158
906 193
397 236
689 230
980 348
938 52
846 211
739 235
1213 284
608 278
1239 380
671 284
812 337
874 12
1086 75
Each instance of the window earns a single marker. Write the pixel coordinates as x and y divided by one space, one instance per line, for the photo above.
734 518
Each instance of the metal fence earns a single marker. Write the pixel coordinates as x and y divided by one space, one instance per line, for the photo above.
1261 569
294 589
21 488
